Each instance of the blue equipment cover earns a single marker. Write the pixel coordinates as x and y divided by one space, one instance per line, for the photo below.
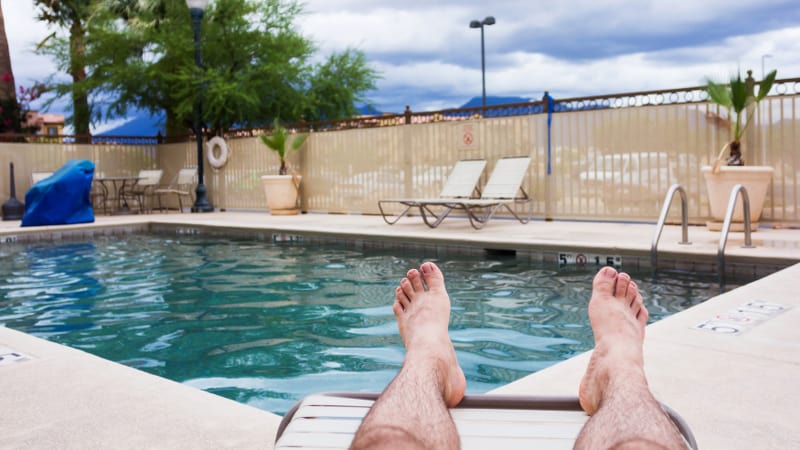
62 198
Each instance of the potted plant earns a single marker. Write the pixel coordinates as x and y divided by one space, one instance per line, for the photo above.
738 98
282 189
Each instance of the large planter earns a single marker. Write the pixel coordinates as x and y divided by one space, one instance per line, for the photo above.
755 180
281 193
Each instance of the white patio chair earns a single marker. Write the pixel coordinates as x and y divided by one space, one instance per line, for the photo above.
181 187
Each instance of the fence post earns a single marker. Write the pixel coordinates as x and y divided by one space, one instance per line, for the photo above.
408 114
548 183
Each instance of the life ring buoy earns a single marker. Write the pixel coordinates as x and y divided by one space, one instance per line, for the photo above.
217 162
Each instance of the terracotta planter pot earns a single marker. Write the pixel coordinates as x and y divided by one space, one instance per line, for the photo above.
754 178
281 194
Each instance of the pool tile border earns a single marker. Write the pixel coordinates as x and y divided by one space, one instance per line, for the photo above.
428 248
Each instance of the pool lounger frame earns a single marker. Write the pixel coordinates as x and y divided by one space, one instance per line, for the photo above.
330 420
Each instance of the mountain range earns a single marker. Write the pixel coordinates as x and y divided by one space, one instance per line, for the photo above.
141 123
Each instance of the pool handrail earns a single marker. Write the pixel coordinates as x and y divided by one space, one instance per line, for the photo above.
663 218
726 227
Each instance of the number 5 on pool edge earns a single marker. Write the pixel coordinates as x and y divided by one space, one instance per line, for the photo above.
614 261
718 327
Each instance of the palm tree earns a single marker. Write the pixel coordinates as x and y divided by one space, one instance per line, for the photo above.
7 89
278 141
9 106
72 15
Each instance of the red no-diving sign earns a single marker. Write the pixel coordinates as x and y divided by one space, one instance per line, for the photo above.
468 138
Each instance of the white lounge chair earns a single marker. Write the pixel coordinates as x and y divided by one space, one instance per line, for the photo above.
503 190
329 421
182 186
461 183
39 176
139 192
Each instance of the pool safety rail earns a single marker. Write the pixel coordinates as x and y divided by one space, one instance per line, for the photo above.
726 227
663 218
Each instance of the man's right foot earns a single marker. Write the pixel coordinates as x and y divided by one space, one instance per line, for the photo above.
423 317
618 318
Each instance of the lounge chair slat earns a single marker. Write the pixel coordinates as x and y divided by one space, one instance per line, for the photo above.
302 425
325 400
315 440
500 442
314 448
529 430
516 415
331 411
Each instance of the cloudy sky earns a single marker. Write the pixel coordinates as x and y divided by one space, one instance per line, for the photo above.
429 58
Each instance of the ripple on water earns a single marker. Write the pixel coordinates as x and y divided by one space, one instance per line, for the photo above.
267 324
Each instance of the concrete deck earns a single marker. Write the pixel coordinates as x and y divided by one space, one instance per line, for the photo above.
736 390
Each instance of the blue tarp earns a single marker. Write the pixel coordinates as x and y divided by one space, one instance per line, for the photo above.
62 198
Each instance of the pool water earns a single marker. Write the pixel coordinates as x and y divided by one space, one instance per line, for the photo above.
266 323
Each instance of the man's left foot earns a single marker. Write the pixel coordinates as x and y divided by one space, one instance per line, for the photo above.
423 317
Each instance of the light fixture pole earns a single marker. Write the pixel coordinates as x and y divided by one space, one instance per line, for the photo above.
762 64
201 203
489 20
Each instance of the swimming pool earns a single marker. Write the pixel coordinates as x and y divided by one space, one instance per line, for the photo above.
266 323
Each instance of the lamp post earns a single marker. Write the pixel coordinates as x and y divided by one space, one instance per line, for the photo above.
489 20
201 203
762 64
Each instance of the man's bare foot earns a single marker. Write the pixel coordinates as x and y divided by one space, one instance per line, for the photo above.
618 318
423 317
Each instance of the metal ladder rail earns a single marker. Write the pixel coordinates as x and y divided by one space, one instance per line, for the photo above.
726 227
663 218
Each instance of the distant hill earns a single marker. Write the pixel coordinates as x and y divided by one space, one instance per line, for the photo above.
368 110
493 100
139 124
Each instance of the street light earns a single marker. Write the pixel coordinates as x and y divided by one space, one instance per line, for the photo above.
201 203
489 20
762 64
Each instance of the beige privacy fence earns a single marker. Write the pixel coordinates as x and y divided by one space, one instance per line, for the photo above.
110 160
602 162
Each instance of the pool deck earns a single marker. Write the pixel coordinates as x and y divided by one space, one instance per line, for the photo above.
736 390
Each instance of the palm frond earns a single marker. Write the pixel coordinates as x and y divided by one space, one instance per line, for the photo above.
719 94
765 85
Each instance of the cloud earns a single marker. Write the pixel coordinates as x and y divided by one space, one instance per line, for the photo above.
23 33
429 58
427 52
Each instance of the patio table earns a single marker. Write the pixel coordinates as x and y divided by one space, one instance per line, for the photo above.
115 186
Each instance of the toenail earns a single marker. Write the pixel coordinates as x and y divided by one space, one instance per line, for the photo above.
426 268
609 272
